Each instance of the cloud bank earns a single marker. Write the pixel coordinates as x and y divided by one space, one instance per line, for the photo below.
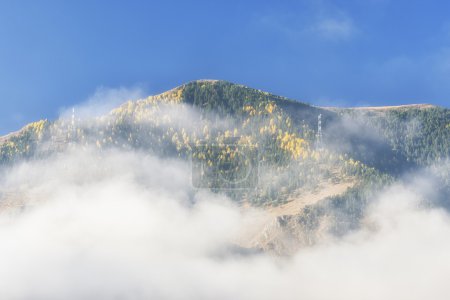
127 225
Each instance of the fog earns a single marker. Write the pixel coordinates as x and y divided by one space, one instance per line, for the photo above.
125 225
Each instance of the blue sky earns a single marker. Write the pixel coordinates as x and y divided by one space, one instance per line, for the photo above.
55 54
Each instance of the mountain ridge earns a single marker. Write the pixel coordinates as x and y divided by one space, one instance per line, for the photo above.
178 91
314 177
341 126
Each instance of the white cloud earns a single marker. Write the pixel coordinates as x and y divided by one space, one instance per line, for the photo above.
126 225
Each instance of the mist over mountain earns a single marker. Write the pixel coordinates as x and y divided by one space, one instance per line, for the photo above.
272 196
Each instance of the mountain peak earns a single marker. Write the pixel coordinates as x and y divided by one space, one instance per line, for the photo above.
213 93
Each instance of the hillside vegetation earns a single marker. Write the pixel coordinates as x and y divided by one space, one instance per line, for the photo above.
333 179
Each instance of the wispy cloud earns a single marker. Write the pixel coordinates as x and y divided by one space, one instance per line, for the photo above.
324 23
103 100
333 28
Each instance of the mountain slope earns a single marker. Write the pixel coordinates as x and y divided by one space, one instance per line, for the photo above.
309 186
393 131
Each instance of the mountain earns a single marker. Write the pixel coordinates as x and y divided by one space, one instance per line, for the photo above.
395 130
311 181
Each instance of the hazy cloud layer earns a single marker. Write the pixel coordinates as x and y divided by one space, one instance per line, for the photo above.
126 225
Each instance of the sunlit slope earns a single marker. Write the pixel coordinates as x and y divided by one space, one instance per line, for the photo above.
173 123
309 186
391 139
222 99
